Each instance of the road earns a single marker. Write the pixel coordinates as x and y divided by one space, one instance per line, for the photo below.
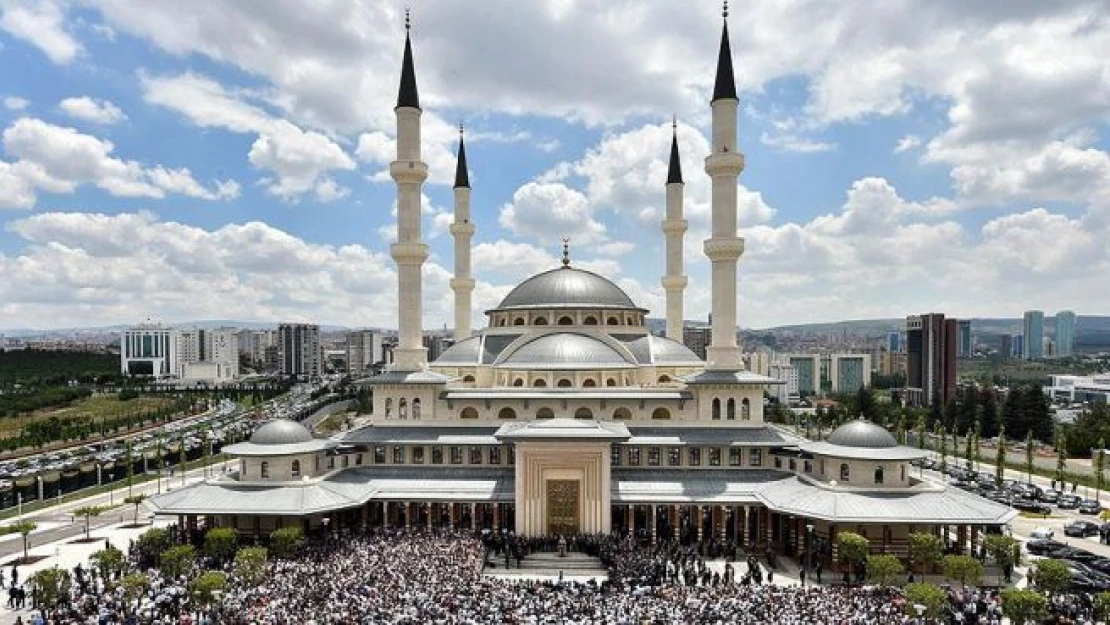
60 523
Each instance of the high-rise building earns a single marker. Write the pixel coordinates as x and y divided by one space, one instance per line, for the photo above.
1033 325
894 341
963 343
1006 346
931 359
299 350
697 339
364 350
149 349
1065 333
221 346
1019 346
435 344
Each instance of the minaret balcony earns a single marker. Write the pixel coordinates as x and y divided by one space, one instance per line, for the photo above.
674 282
675 226
726 249
462 284
409 253
414 172
463 229
724 164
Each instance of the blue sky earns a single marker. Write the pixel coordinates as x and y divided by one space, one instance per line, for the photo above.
224 159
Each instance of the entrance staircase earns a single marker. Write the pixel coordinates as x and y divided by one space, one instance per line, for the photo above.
547 566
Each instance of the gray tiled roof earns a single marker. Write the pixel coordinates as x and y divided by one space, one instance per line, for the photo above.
720 435
682 485
550 429
409 377
713 376
900 452
477 435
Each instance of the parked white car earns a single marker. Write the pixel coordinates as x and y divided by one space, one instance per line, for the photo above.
1042 533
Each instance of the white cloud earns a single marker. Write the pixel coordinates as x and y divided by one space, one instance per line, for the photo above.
42 24
906 143
15 103
92 110
548 212
794 143
57 159
300 159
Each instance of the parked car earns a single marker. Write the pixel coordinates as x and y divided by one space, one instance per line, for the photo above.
1081 528
1028 505
1042 546
1051 496
1089 506
1068 502
1042 533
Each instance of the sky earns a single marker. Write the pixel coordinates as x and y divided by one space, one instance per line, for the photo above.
227 159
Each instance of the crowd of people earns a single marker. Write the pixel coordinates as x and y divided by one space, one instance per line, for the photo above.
424 577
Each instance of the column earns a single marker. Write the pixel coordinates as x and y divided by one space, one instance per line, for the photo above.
674 522
451 514
431 508
473 516
701 519
741 525
654 521
497 517
630 519
408 515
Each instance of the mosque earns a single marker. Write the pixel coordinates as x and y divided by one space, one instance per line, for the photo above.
567 415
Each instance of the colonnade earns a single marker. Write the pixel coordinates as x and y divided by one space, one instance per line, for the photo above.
743 524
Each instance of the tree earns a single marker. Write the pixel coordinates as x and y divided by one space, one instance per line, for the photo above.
1013 421
250 565
928 600
963 569
977 445
88 513
135 500
130 460
926 550
941 436
902 429
1029 456
109 561
1100 468
1061 457
177 560
1004 550
151 544
220 543
852 549
1051 576
24 529
865 403
206 586
988 408
884 569
285 542
969 454
135 585
1022 606
52 585
1102 606
1000 456
921 433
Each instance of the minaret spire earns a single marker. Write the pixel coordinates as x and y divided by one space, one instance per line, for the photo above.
409 252
566 252
462 230
674 228
724 247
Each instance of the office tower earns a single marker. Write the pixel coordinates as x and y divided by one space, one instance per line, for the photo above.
1019 346
1065 333
299 350
1033 325
963 344
148 349
364 350
894 341
1006 346
931 346
697 339
221 346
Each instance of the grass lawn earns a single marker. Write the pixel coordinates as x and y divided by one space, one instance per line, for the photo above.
95 408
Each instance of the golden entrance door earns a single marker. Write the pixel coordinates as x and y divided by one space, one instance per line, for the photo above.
562 506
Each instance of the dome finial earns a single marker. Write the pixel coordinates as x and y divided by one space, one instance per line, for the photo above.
566 252
408 20
724 12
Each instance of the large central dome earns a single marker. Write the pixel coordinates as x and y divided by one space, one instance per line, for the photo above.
566 287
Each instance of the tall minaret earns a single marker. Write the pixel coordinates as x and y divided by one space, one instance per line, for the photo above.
409 252
674 228
723 247
462 230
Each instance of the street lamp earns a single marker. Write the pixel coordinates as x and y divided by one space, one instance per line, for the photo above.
808 564
111 488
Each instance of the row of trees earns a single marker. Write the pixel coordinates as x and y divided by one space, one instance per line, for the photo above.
79 428
30 399
926 553
41 368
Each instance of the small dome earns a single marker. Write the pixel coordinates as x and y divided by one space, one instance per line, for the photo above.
565 350
281 432
861 433
567 286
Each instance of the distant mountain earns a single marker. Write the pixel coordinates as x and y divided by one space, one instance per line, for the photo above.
209 324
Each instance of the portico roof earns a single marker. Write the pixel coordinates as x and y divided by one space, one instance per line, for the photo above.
725 436
422 434
563 429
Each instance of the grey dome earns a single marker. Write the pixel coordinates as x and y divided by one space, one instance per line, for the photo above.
565 350
861 433
281 432
567 286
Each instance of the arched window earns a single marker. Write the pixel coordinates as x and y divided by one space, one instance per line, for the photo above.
844 472
295 470
590 321
566 321
468 378
730 410
545 413
540 321
416 408
264 469
878 475
661 413
539 383
745 409
622 414
506 413
403 409
663 379
565 383
589 383
389 408
583 413
518 382
610 382
519 321
469 413
502 324
613 321
716 408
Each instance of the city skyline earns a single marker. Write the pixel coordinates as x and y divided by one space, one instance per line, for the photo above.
203 176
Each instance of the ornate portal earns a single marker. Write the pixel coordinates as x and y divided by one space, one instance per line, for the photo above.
563 506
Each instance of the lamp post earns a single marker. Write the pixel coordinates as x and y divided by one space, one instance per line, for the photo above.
808 564
111 488
326 521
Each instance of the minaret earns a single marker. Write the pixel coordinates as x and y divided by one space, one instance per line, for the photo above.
409 252
674 228
462 230
723 247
